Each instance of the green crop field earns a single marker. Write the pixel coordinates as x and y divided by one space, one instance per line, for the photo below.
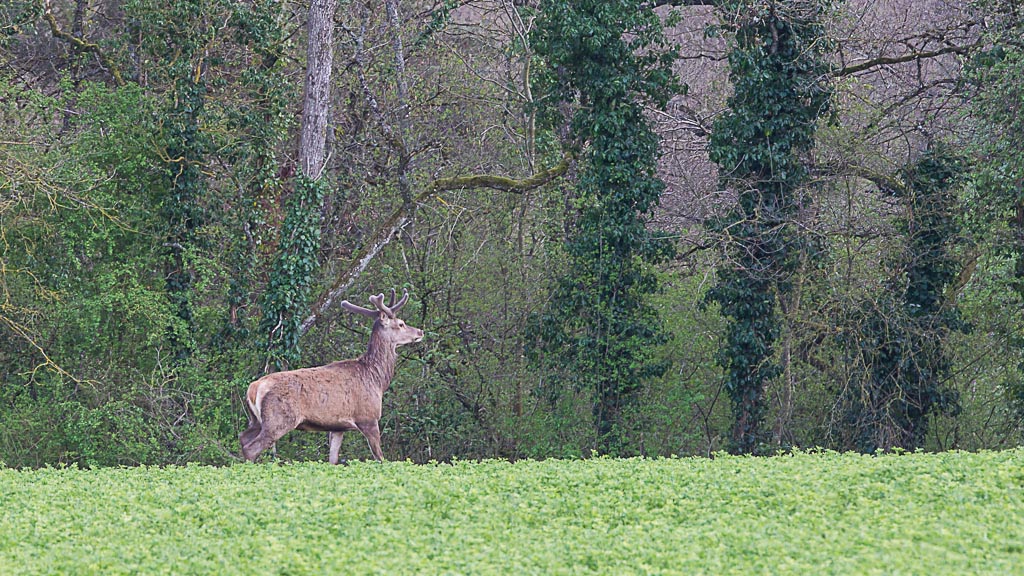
808 513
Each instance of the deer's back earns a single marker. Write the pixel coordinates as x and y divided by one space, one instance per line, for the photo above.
323 394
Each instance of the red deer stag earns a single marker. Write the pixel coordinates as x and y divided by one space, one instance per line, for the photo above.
336 398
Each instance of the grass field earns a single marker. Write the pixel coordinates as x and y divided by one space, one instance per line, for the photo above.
824 513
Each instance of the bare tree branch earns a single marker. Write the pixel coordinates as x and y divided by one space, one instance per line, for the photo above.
403 215
911 57
81 44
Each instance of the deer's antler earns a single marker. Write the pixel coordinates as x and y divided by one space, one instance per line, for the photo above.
378 302
360 310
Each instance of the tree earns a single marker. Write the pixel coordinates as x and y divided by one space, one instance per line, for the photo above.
288 290
396 130
598 331
780 90
261 127
900 338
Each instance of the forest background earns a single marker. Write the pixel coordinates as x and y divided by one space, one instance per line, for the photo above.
632 227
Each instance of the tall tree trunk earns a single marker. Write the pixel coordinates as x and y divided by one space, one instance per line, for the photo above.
316 102
295 265
402 112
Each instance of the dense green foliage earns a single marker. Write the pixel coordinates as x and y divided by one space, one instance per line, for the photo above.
176 37
261 123
730 515
997 74
777 66
599 331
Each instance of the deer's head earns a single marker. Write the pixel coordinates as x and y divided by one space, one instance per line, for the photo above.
388 326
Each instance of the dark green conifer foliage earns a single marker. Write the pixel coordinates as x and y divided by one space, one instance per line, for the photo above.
598 332
780 90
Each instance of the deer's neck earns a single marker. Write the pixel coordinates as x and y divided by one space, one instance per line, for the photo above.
379 361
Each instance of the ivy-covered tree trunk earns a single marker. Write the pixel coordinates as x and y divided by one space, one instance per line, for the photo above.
900 339
598 332
180 40
778 71
261 124
288 291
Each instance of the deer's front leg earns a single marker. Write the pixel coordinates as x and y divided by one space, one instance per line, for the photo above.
335 446
371 430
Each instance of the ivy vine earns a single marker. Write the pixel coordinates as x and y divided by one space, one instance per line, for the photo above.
289 287
777 66
177 35
900 337
261 122
598 332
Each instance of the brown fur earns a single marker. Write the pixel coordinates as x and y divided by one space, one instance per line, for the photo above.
336 398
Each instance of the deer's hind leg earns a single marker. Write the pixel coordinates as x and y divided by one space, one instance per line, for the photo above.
249 434
278 419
